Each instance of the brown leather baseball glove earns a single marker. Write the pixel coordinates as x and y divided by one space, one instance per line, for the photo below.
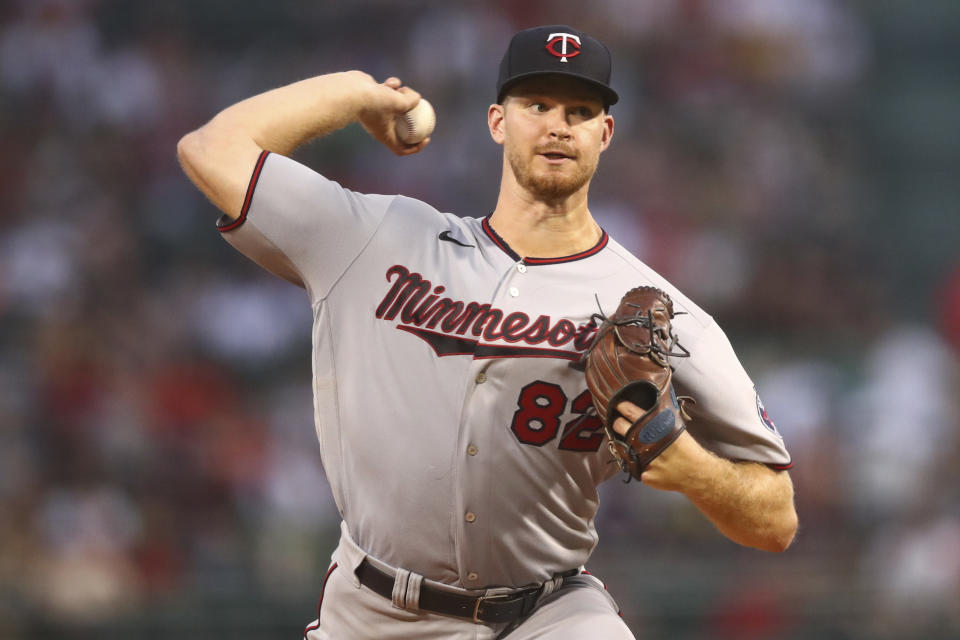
628 360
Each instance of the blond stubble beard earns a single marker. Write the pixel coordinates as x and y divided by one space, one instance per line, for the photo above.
548 186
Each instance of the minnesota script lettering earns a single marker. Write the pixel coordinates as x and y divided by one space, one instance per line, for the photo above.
423 312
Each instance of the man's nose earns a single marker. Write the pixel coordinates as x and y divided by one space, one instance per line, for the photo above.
559 126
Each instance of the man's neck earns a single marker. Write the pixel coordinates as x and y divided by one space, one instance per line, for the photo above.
537 229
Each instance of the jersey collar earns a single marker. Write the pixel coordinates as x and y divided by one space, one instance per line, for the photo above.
502 244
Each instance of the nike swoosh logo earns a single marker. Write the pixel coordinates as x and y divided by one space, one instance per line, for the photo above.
446 237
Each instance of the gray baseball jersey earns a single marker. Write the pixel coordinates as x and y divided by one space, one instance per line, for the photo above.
457 440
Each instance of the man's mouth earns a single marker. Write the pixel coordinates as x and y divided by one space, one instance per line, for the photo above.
555 154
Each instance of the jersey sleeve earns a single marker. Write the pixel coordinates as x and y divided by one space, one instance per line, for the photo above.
728 417
302 226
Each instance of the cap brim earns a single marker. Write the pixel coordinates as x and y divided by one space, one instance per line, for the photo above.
608 95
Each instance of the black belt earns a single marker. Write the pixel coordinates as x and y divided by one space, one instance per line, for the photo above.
505 607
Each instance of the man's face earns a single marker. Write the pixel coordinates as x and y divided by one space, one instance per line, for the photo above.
553 130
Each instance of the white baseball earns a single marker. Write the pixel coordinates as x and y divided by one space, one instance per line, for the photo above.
416 124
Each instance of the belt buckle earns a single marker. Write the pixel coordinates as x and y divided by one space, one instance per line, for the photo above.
476 607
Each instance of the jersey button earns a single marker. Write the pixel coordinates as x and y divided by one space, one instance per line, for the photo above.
470 517
473 576
481 377
522 268
472 450
514 292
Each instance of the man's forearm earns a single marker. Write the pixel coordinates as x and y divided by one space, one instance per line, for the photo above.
283 119
219 156
748 502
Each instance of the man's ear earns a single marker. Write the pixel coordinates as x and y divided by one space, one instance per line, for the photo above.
607 134
495 115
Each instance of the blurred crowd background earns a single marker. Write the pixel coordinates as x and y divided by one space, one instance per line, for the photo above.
791 164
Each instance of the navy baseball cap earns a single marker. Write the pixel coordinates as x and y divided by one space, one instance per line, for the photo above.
557 50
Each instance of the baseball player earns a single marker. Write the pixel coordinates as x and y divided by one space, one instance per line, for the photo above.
459 443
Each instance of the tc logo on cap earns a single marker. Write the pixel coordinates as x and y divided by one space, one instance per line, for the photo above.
563 39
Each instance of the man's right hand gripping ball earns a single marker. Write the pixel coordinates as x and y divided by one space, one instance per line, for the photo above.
628 361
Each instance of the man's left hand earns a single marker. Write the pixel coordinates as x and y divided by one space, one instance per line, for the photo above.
680 467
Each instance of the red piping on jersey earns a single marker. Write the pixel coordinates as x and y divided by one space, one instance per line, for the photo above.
781 467
497 240
251 187
323 588
500 242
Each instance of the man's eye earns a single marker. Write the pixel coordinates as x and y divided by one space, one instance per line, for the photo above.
539 107
585 112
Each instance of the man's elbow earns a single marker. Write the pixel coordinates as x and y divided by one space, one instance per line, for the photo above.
783 525
208 152
781 535
188 150
217 166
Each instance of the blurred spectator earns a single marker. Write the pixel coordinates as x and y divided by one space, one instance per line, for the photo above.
85 572
56 49
917 564
949 309
897 425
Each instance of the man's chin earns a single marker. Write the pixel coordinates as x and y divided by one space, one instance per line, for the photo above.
550 183
554 187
